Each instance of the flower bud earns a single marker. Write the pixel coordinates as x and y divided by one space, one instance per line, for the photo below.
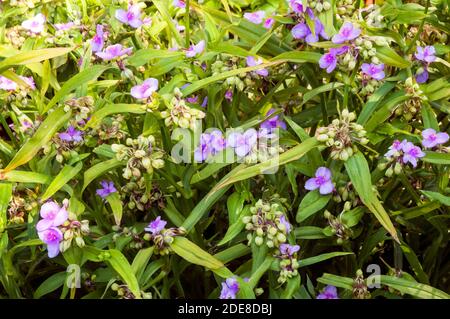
259 240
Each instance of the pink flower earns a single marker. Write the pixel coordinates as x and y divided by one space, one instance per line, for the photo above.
242 142
195 49
431 138
322 181
113 51
395 148
145 89
411 153
255 17
64 26
35 24
347 32
52 215
268 23
7 84
375 71
252 61
132 16
179 4
426 54
52 237
328 61
97 41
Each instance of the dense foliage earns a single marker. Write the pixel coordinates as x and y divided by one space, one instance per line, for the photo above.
224 149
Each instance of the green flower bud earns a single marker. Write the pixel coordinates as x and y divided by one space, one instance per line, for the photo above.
259 232
259 240
397 168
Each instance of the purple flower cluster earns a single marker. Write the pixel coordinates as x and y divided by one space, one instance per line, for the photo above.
210 144
330 292
404 152
426 56
229 289
321 181
431 138
107 188
52 216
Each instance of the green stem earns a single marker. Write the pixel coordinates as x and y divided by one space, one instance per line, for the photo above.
187 26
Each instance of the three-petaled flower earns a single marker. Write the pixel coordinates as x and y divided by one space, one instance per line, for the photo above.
229 289
107 188
145 90
156 226
321 181
431 138
243 142
346 33
36 24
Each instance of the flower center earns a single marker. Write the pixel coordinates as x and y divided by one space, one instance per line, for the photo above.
320 180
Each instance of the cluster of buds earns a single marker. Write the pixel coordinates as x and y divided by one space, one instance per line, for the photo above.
111 128
288 262
14 37
411 107
319 5
345 9
24 3
268 221
360 290
341 135
372 16
136 241
123 292
73 229
220 67
179 114
81 108
430 35
135 194
338 228
140 154
347 195
21 204
162 237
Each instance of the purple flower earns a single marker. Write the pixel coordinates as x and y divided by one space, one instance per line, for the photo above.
7 84
156 226
330 292
52 215
113 51
251 61
273 122
422 77
268 23
347 32
229 289
395 148
204 149
29 81
285 222
108 188
328 61
195 49
411 153
297 6
242 142
71 135
145 89
375 71
255 17
52 237
302 31
218 142
97 41
322 181
426 54
289 250
179 4
35 24
64 26
431 138
132 16
229 95
193 99
205 102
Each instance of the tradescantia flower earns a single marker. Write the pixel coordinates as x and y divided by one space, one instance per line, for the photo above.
422 75
268 23
97 41
52 237
156 226
252 61
330 292
346 33
52 215
131 17
255 17
395 148
375 71
107 188
145 90
179 4
195 49
113 51
431 138
273 122
411 153
229 289
71 135
9 85
303 31
229 95
297 6
210 144
64 26
426 54
288 250
242 143
329 60
36 24
321 181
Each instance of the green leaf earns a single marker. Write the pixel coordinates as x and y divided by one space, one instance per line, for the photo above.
309 232
98 170
121 265
311 204
235 228
50 284
5 197
359 173
140 262
413 288
66 174
323 88
110 109
390 57
317 259
260 271
144 56
116 205
41 137
298 57
436 158
437 196
337 281
76 81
